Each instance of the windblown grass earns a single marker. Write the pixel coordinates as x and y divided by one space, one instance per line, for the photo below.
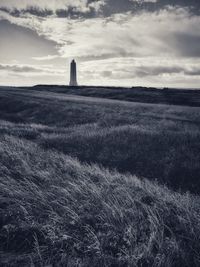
154 141
55 210
69 192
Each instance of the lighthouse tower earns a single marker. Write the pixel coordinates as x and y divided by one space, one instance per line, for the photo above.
73 75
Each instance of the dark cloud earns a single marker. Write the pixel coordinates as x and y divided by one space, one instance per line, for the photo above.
88 9
193 72
105 56
159 70
18 68
154 71
74 14
107 73
31 10
193 5
18 42
60 13
118 6
109 8
186 44
145 71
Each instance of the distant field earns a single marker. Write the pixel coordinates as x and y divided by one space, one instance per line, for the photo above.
136 94
69 192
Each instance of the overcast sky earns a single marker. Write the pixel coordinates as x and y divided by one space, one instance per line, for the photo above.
115 42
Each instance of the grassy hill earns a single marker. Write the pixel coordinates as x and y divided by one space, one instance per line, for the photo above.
181 97
69 192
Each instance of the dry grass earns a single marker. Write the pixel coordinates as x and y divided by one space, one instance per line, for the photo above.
55 210
154 141
59 208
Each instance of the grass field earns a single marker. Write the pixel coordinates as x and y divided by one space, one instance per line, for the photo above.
97 182
136 94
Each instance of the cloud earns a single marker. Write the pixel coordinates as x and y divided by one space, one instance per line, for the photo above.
106 73
142 71
46 58
170 32
20 43
163 70
90 8
16 68
43 5
187 43
152 48
136 6
61 8
19 68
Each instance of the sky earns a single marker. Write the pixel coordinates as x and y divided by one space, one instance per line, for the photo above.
114 42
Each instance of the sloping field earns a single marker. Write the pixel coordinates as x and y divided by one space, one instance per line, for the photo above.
68 191
154 141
